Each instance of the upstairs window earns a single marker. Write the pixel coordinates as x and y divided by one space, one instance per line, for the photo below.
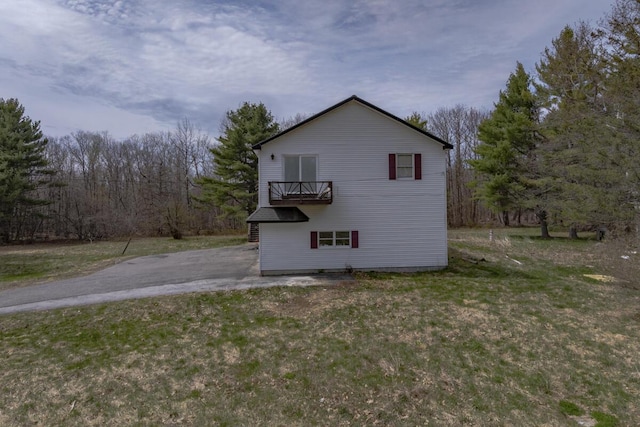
405 166
300 168
300 174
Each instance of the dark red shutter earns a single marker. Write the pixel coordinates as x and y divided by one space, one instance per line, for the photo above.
354 240
392 166
314 240
417 164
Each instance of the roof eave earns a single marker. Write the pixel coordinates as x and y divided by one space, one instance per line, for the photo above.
277 215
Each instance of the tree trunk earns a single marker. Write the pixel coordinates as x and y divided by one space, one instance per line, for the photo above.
5 234
573 232
505 218
544 230
544 225
173 223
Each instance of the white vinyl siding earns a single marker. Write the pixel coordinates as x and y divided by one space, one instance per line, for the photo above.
401 224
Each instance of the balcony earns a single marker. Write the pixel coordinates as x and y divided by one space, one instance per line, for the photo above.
300 193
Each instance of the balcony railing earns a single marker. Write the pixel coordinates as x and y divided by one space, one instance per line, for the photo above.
300 193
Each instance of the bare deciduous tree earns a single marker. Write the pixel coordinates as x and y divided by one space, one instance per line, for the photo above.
459 126
144 184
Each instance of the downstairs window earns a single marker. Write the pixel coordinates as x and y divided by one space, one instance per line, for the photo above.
334 239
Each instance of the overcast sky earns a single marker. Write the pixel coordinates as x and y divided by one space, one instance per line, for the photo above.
136 66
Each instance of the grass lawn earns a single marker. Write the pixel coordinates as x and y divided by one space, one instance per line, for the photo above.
517 331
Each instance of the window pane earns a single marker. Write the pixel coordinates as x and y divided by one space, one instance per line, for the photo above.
308 166
292 168
292 174
405 166
326 238
405 173
343 238
405 160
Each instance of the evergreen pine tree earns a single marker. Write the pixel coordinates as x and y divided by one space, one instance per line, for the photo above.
622 98
235 186
417 120
508 138
577 141
22 165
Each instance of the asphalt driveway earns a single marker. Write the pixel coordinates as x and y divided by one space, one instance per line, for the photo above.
234 267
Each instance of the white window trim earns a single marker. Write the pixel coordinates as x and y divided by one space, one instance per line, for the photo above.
413 166
299 156
333 237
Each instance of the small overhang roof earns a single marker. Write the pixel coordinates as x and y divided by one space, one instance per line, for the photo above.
281 214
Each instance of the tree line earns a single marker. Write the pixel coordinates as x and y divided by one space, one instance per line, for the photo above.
458 125
561 146
564 143
88 185
103 187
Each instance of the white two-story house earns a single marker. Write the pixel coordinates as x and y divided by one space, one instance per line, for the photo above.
351 188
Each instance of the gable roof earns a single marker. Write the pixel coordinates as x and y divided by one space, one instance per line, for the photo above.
445 144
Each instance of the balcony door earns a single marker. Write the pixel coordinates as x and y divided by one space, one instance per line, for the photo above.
300 173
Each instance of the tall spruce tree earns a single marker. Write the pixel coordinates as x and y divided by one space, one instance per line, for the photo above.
22 166
235 186
504 155
622 58
570 87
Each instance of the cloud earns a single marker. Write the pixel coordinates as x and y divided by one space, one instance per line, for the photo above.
157 61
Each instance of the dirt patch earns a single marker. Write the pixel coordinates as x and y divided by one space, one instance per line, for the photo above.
601 277
584 421
314 303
